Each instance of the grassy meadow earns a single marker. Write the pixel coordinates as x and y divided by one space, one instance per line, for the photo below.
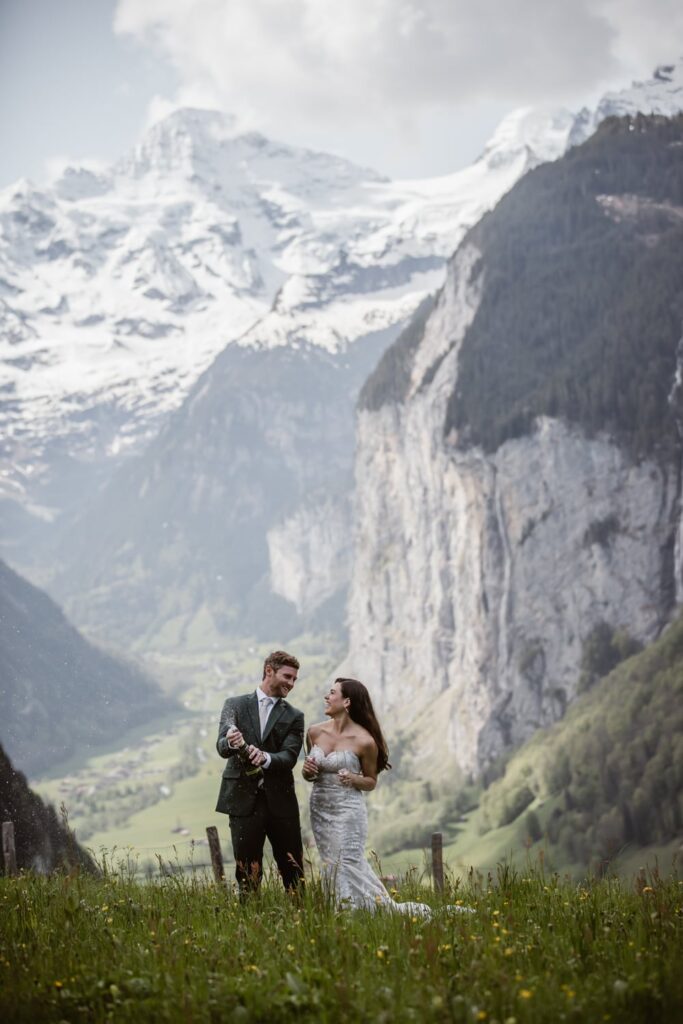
537 948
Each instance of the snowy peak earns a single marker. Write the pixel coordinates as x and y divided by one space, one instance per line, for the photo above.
205 148
661 94
539 135
119 286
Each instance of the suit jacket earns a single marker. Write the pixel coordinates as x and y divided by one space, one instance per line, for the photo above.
282 739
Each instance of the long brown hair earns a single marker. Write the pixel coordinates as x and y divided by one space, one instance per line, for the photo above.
362 712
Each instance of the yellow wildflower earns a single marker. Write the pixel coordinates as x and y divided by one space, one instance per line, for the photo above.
59 984
525 993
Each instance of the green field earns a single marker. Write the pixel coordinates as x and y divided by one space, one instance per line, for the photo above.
536 948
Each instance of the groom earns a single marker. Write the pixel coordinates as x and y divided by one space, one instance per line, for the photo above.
263 804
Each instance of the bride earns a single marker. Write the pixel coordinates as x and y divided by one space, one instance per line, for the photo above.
344 757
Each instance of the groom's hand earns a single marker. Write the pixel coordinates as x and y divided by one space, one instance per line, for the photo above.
234 737
256 756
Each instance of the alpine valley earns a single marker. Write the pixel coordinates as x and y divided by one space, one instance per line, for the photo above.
251 392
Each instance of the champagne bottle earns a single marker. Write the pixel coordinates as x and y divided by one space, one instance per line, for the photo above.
243 753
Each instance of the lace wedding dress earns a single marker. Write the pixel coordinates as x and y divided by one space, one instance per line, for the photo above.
339 819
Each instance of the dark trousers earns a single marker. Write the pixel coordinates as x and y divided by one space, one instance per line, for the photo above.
248 837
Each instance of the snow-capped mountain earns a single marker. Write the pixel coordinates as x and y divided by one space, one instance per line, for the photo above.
661 94
118 289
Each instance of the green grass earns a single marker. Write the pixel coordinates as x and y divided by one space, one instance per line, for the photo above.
537 948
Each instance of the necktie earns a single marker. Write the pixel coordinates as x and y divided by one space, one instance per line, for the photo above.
265 704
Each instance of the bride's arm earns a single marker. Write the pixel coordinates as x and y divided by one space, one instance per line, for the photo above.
367 779
310 767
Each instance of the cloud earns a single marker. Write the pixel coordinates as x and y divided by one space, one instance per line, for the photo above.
388 64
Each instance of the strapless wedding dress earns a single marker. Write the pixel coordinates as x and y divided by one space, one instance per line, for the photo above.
339 819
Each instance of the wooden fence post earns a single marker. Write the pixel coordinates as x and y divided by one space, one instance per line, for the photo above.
9 852
437 860
216 855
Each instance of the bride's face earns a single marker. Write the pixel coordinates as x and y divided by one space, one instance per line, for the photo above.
335 702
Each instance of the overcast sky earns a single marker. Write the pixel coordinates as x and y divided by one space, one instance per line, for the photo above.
410 87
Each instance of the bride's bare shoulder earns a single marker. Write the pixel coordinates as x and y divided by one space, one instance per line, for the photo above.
365 739
315 730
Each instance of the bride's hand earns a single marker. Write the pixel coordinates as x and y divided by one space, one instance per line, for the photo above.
310 769
346 777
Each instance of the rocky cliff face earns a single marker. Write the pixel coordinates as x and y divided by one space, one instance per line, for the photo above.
480 574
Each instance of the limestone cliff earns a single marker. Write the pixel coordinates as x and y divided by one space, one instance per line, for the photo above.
490 544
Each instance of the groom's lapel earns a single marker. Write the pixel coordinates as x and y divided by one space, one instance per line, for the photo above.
277 713
252 708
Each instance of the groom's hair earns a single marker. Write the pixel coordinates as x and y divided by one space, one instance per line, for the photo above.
276 659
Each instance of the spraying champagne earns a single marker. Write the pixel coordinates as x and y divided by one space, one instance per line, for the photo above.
243 753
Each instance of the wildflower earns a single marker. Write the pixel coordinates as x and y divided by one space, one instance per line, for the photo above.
437 1002
290 949
482 1015
444 947
648 888
525 993
110 920
509 951
379 954
59 984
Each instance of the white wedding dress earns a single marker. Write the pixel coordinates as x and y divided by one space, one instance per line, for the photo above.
339 819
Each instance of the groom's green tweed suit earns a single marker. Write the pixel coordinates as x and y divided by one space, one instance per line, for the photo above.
264 805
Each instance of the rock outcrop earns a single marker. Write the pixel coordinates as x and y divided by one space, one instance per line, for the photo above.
481 569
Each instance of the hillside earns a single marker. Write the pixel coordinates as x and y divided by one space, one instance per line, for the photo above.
609 777
581 262
602 787
42 841
59 693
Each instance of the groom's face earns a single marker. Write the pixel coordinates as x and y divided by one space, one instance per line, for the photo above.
278 684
